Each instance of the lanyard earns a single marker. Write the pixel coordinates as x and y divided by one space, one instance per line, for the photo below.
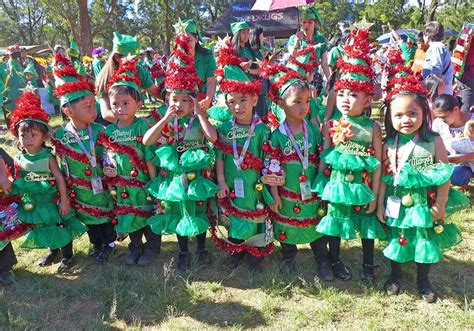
239 159
394 160
188 128
90 156
303 156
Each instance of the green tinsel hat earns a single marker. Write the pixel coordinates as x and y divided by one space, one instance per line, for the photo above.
125 44
311 13
356 65
181 75
126 74
69 84
281 78
234 78
237 26
192 27
73 50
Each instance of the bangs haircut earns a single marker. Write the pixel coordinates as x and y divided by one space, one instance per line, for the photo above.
125 90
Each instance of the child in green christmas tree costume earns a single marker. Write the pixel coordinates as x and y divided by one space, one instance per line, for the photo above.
183 186
242 196
75 58
38 179
294 152
81 158
349 176
414 195
14 81
131 166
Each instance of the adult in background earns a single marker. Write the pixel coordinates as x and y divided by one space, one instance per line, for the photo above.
438 57
309 35
257 42
420 54
408 46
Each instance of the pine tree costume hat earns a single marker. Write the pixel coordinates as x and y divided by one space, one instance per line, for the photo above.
234 78
126 74
125 44
73 49
281 78
30 69
237 26
192 27
69 84
28 108
311 13
181 75
356 65
304 61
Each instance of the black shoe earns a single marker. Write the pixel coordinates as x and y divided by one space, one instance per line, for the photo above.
392 286
288 267
94 252
183 261
146 257
427 293
103 255
255 264
65 265
341 271
7 278
234 260
368 273
49 258
325 271
203 258
133 256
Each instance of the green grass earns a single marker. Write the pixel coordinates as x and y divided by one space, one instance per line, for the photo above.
114 296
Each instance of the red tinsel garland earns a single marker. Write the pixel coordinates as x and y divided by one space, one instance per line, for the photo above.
250 159
79 182
125 210
138 163
307 67
122 78
72 87
279 82
65 151
125 182
348 67
362 86
228 55
181 78
230 209
313 158
416 89
60 58
96 212
16 231
295 196
272 119
67 71
296 222
9 199
228 85
157 71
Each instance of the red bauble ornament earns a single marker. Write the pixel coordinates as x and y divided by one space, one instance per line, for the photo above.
320 149
244 166
206 148
52 182
371 150
365 174
232 195
87 172
200 203
357 208
282 236
72 195
139 139
327 172
402 240
114 221
296 209
145 171
432 194
204 172
61 225
163 173
266 148
303 178
134 173
124 195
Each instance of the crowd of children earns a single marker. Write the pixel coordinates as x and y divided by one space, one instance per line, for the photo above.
249 182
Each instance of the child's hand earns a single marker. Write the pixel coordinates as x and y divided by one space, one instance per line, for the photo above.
5 184
205 104
64 206
198 109
381 214
438 212
245 65
274 207
371 207
171 112
224 191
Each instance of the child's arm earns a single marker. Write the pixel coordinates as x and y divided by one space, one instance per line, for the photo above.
327 144
377 144
65 206
151 169
224 189
209 131
155 132
438 209
5 183
381 193
276 196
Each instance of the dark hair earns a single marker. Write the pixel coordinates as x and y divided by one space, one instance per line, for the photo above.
446 102
200 48
236 45
432 83
425 129
255 37
419 38
28 126
298 85
72 103
125 90
434 30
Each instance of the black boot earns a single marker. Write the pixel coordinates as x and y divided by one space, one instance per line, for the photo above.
94 252
146 257
49 258
341 271
65 265
104 254
7 278
234 260
368 273
325 270
393 284
133 255
203 258
424 285
183 261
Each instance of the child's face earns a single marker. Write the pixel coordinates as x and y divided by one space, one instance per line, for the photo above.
83 111
31 140
352 103
241 105
124 106
448 117
469 129
183 101
296 104
406 114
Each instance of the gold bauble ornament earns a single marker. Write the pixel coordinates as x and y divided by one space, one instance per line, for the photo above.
28 206
407 200
349 178
438 228
259 187
191 176
113 193
321 212
260 206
